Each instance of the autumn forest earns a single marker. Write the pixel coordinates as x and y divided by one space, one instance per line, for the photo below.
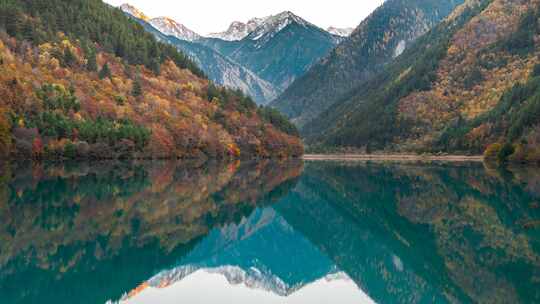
79 79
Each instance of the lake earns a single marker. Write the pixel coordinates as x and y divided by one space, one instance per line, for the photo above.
269 232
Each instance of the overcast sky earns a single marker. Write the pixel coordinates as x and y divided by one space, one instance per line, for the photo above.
207 16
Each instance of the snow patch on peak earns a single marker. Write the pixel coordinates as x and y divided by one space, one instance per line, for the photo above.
170 27
238 30
252 278
275 24
133 11
165 25
342 32
257 28
290 16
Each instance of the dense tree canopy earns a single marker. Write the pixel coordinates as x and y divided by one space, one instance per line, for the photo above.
89 21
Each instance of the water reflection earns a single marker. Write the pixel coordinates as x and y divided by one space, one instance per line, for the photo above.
425 234
89 233
274 232
260 259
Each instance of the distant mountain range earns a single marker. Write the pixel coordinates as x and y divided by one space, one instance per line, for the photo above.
221 69
238 30
261 57
282 48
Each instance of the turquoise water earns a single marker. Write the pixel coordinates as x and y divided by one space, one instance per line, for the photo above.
267 232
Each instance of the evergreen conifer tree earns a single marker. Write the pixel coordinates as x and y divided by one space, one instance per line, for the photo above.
105 71
137 89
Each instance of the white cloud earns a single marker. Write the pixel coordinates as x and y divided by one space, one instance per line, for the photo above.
206 16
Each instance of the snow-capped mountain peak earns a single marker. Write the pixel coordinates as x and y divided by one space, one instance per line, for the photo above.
238 30
165 25
275 24
290 16
256 28
133 11
343 32
170 27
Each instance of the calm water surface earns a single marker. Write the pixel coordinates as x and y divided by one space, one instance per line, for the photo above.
267 232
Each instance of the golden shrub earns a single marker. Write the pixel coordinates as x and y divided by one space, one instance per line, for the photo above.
492 151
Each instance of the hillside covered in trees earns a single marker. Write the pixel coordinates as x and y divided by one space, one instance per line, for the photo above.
79 79
468 85
380 38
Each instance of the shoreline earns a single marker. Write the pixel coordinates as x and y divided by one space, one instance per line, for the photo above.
391 157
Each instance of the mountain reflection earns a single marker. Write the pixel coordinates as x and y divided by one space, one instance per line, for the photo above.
424 234
281 232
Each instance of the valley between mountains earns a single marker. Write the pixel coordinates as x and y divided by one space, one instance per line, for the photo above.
415 76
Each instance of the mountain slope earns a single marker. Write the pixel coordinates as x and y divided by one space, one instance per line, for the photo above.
377 41
469 83
133 11
280 49
225 72
70 91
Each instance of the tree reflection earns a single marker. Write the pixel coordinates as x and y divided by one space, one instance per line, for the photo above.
424 233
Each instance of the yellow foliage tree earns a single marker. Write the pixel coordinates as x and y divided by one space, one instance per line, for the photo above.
492 151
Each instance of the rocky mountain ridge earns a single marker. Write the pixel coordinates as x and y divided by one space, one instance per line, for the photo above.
238 30
170 27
